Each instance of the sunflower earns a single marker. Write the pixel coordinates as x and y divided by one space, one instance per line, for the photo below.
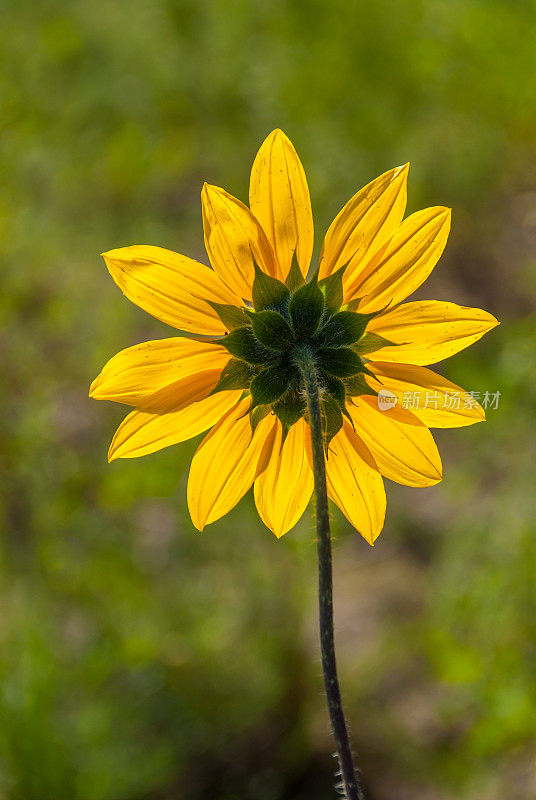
245 324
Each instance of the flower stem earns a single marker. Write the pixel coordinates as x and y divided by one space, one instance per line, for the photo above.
350 783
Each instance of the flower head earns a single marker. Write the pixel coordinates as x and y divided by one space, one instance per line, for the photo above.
247 321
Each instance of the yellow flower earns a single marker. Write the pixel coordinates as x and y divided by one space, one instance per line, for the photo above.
256 307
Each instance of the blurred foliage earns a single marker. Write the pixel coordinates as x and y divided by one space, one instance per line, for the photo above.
138 659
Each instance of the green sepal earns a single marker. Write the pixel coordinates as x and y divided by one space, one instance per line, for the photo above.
353 305
257 414
357 385
242 344
269 385
294 278
272 329
231 316
290 409
268 292
370 342
331 420
340 361
367 371
343 328
346 413
305 308
236 375
332 289
337 389
334 386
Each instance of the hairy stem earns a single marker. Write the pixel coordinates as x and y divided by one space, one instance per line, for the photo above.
350 783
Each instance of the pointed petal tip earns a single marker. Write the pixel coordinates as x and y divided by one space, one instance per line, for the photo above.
400 173
209 188
115 451
492 321
369 538
479 415
199 522
276 133
115 258
119 253
474 420
94 388
279 533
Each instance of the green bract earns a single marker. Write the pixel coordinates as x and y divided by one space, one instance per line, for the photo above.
268 342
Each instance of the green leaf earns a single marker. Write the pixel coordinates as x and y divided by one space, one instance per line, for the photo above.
305 308
231 316
340 361
357 385
294 278
331 420
242 344
257 414
268 292
371 342
272 329
269 385
236 375
344 328
332 289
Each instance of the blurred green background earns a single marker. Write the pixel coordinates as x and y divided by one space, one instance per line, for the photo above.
140 660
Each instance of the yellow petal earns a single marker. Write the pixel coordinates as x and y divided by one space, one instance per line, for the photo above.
364 224
174 414
283 489
138 372
354 483
403 449
171 287
433 399
427 331
233 237
405 263
279 198
226 463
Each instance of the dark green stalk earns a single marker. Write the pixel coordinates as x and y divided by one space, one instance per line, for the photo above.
350 783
